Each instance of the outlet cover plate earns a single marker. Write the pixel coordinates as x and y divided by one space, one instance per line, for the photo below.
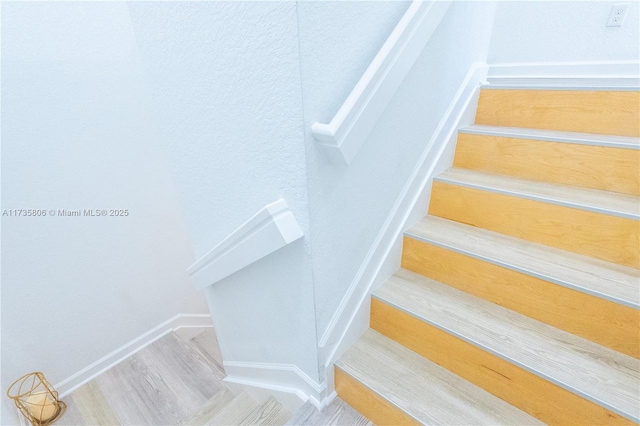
617 15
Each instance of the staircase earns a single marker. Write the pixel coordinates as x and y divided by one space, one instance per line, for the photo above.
519 294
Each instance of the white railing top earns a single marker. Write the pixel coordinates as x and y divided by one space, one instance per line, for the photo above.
270 229
345 134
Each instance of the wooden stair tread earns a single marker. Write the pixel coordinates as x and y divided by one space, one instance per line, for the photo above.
336 413
206 342
603 279
425 391
594 372
235 410
270 412
211 408
612 141
594 200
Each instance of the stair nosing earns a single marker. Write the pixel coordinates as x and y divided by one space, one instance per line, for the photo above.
497 262
261 406
505 357
569 87
445 386
243 394
510 360
593 139
345 369
445 178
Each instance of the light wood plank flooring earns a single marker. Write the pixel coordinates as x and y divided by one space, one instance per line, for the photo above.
175 381
336 413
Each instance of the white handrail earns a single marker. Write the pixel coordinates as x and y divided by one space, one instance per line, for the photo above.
273 227
345 134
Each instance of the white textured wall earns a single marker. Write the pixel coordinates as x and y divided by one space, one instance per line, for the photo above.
563 31
225 78
338 41
349 205
234 88
77 133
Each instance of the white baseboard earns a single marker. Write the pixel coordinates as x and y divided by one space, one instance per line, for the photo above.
279 379
352 316
189 322
609 75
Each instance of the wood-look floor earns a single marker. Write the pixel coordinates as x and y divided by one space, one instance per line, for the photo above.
609 280
393 385
476 331
366 401
535 396
165 383
599 320
336 413
593 299
174 381
607 237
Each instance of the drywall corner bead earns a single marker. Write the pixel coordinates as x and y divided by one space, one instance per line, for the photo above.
272 228
343 137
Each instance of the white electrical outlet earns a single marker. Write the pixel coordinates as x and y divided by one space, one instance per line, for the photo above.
618 12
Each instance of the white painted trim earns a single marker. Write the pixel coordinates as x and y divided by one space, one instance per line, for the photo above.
287 378
272 228
347 131
609 75
351 319
180 321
